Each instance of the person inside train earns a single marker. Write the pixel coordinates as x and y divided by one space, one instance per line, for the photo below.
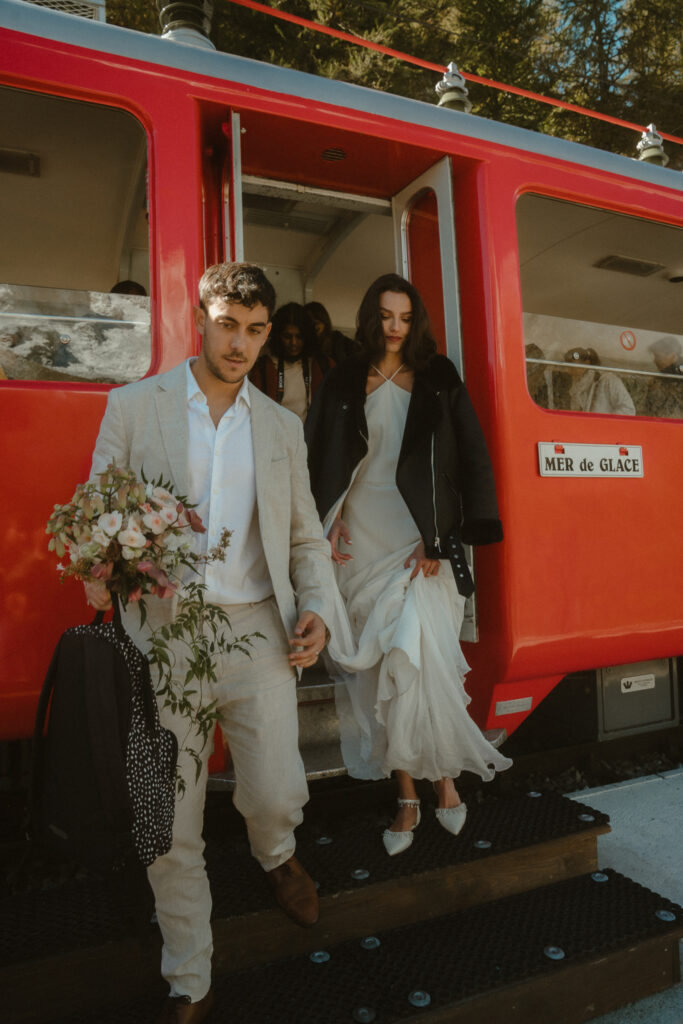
395 452
664 396
292 367
333 344
536 376
594 390
128 287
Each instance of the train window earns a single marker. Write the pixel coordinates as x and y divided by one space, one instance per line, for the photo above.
602 301
74 264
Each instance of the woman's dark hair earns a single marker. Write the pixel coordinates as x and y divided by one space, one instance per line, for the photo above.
317 311
419 346
295 314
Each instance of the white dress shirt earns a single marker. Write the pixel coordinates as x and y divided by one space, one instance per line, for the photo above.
222 484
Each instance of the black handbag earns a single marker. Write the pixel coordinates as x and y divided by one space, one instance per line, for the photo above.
102 785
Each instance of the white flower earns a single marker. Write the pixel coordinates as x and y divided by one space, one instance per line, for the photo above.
129 553
110 523
163 496
101 538
132 537
155 521
169 515
177 542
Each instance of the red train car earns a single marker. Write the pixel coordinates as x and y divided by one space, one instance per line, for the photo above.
131 158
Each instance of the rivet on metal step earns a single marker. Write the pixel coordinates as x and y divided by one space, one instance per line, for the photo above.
586 817
554 952
360 874
419 998
323 840
370 942
534 793
600 876
482 844
320 956
364 1014
665 915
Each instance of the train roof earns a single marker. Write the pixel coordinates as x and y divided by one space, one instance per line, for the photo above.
20 16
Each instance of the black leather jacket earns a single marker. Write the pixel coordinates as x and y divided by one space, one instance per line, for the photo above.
444 472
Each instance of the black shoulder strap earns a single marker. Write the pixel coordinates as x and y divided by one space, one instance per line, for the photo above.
102 709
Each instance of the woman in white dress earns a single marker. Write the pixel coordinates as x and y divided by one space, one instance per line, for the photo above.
401 476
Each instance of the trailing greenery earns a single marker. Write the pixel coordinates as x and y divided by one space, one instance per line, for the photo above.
194 637
621 57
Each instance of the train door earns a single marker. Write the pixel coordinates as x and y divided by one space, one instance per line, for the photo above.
424 242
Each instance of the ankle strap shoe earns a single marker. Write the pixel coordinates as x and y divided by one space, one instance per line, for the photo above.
452 818
397 842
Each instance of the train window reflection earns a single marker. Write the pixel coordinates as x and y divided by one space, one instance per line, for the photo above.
602 309
74 264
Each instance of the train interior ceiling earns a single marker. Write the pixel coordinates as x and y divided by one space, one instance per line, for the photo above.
317 213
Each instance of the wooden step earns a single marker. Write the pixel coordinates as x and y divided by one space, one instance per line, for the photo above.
534 840
561 954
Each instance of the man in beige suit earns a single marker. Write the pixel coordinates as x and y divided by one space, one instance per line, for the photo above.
242 459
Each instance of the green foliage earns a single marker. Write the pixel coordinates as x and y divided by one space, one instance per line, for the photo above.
622 57
192 640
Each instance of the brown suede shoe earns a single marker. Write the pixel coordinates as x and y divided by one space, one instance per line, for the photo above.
295 892
179 1010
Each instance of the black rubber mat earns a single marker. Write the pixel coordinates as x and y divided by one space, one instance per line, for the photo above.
87 911
442 961
335 859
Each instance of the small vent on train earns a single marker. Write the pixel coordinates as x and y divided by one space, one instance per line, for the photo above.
333 154
19 161
92 9
629 265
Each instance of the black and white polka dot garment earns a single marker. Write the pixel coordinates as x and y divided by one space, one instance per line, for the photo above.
151 753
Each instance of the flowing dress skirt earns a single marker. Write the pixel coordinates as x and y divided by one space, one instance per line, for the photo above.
401 698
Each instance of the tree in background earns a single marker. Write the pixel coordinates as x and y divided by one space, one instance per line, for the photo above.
620 57
653 50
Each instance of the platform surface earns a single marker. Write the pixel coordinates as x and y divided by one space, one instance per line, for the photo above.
646 843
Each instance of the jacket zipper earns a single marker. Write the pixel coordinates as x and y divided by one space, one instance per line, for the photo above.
437 542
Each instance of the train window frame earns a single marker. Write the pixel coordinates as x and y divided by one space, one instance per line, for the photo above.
655 391
48 318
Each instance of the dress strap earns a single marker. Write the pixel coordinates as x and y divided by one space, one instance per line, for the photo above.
383 375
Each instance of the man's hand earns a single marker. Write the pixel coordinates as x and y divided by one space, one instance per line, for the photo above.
97 595
310 636
339 530
429 566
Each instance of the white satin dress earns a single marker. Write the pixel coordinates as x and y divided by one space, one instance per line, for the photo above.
400 696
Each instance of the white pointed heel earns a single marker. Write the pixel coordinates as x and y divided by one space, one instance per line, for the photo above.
397 842
452 818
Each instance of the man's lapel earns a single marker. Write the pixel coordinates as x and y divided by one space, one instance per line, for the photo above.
262 434
171 402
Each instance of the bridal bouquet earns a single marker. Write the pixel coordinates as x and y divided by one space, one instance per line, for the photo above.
135 537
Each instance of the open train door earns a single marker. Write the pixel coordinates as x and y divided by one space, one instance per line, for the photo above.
424 243
424 234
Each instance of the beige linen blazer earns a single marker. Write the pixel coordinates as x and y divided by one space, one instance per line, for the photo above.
145 426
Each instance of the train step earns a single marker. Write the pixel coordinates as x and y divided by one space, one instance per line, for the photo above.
319 732
68 946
